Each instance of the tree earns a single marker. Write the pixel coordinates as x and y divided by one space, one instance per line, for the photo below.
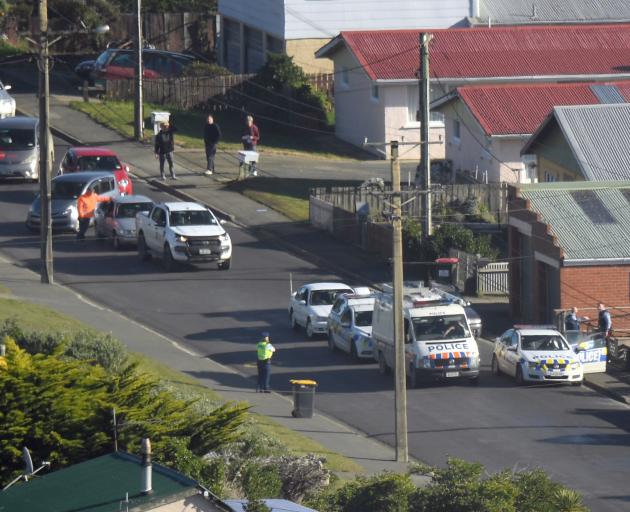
61 409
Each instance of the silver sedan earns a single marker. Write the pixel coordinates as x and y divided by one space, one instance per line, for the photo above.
116 221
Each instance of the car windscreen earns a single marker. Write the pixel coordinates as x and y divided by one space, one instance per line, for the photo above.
326 297
446 327
17 138
363 318
66 189
102 58
129 210
192 218
99 163
543 342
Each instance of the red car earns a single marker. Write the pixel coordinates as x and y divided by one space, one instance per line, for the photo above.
85 159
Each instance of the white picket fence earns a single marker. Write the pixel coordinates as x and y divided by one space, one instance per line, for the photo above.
493 279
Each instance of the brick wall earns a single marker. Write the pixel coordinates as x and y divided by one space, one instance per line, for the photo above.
584 287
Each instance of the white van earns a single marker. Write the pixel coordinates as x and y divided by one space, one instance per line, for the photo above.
439 343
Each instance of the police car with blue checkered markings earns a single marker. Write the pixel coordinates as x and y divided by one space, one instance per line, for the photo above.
536 354
350 324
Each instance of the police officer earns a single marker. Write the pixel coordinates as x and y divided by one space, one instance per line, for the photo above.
264 351
604 323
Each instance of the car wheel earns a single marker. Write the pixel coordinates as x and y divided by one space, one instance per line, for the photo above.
520 380
354 355
309 329
225 265
383 369
292 321
115 241
167 259
331 343
495 366
143 250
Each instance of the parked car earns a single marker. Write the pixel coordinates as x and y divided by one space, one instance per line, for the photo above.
65 191
96 159
116 63
7 102
350 324
311 305
116 220
183 232
19 147
536 354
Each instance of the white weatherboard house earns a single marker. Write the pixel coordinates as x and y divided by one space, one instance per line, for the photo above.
249 29
377 89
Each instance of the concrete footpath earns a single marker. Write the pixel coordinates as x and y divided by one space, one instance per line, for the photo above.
298 238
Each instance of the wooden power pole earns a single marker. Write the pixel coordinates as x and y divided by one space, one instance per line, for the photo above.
45 220
402 450
425 159
138 110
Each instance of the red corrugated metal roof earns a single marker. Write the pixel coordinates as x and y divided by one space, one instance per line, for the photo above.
542 50
520 109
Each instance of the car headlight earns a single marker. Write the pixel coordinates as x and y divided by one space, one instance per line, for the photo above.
474 362
575 366
224 237
321 319
123 183
181 238
129 232
427 363
71 211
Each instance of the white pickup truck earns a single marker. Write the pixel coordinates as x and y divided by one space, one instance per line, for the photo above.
182 232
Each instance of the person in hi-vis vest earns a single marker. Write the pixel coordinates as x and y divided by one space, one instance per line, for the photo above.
264 351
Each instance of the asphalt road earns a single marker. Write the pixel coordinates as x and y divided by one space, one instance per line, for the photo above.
580 437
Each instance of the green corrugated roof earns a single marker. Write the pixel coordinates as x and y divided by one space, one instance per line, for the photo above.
579 233
98 485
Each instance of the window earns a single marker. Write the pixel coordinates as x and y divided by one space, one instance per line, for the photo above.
413 100
192 218
274 45
325 297
363 318
99 163
375 92
345 76
337 307
440 327
123 60
346 317
129 210
159 217
457 131
103 185
549 177
17 139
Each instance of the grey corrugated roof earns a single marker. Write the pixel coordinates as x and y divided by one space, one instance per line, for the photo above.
520 11
578 235
607 93
599 136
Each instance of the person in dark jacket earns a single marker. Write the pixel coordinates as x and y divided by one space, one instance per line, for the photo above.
572 321
251 135
211 137
604 323
164 147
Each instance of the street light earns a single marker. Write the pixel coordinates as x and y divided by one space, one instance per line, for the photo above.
45 165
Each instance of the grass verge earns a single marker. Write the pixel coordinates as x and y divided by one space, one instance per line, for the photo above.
288 196
40 318
118 115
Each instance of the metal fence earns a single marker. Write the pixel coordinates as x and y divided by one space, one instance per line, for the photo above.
490 199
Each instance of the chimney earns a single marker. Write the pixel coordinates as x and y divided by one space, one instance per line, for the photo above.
147 470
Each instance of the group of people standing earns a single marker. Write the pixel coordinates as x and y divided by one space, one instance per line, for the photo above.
164 144
604 321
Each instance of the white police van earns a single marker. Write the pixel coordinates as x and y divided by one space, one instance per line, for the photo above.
439 343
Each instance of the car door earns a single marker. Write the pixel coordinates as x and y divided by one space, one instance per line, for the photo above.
512 354
299 308
333 319
502 349
345 329
160 230
158 221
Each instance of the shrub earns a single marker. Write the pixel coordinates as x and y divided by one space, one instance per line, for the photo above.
205 69
259 480
104 349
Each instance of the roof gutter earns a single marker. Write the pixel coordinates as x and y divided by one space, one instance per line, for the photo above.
588 262
461 80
